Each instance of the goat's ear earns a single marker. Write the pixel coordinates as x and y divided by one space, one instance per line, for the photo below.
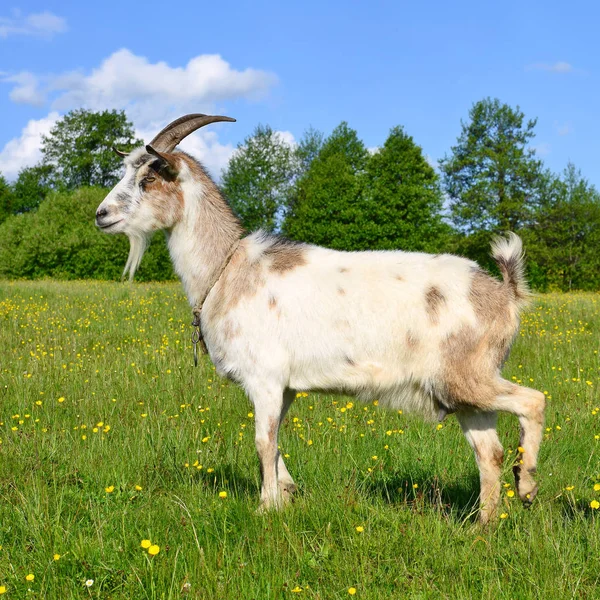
164 166
120 152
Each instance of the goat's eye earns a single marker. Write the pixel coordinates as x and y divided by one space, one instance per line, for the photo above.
149 179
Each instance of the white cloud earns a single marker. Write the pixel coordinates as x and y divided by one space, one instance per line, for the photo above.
147 91
44 24
152 94
286 137
557 67
565 129
542 149
24 151
27 90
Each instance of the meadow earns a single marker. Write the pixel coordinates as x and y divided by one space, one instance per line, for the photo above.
127 473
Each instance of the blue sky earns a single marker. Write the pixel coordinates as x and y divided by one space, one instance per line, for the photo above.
295 65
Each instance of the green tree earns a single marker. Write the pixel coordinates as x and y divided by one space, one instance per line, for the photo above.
403 200
491 176
60 240
327 198
79 148
563 237
32 186
257 178
7 200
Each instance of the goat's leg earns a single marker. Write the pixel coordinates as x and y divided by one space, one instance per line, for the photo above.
268 404
287 487
480 430
529 406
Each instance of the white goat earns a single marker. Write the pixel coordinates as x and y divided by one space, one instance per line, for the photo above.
416 331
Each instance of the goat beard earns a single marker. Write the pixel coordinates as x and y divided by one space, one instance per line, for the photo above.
138 243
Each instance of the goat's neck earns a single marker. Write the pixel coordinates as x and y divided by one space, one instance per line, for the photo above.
201 241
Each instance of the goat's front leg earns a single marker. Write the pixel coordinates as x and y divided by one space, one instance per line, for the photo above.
268 404
287 487
480 430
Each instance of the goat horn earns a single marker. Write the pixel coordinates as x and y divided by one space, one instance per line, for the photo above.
174 132
120 152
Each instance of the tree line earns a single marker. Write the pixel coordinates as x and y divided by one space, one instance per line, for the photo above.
334 192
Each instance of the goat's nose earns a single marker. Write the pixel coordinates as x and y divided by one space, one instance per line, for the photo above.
101 212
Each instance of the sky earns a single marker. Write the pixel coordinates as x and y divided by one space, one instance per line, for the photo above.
295 65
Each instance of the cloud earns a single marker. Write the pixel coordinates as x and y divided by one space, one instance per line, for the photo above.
149 92
565 129
557 67
27 90
542 149
152 94
44 25
24 151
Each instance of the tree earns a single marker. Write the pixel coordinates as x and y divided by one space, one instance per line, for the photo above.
327 198
491 176
403 200
258 177
32 186
79 147
563 237
7 199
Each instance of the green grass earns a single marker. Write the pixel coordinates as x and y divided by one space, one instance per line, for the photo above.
120 355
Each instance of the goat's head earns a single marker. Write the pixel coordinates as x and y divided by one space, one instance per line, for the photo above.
150 195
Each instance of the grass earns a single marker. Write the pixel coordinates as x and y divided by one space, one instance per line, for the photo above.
99 395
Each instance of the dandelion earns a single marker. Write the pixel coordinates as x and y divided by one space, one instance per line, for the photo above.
597 487
61 399
30 577
110 489
415 485
595 504
360 528
222 494
2 589
297 589
510 493
138 488
521 449
503 516
56 557
146 544
352 591
153 550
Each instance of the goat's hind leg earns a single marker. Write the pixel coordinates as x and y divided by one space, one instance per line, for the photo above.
528 405
480 430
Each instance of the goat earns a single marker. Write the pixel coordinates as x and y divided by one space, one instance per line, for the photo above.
415 331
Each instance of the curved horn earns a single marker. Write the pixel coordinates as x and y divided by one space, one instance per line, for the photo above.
174 132
120 152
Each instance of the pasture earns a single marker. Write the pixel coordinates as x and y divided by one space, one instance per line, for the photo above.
110 436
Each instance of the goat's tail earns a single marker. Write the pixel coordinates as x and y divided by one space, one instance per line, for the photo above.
508 254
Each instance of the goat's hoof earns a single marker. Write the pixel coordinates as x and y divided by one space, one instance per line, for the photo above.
528 498
288 489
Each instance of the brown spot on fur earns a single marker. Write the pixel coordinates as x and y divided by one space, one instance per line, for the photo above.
399 278
350 361
434 299
473 355
230 330
272 302
343 270
341 291
240 280
285 256
273 427
411 341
